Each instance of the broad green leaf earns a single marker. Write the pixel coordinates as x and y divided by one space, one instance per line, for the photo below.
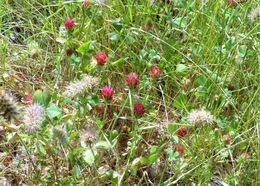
181 101
201 80
88 156
172 154
180 21
154 55
172 128
76 171
78 150
86 47
242 51
40 148
54 112
119 62
102 145
114 36
92 100
42 97
154 153
75 59
181 69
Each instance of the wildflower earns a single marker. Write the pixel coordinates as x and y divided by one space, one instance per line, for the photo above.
59 134
107 92
245 155
4 181
182 131
87 3
228 138
89 135
33 117
69 23
200 117
28 98
132 79
101 58
139 108
100 2
155 71
80 86
179 149
100 108
70 51
148 25
232 2
8 106
254 14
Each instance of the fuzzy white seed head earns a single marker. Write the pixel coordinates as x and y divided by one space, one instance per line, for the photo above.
200 117
4 181
59 134
8 106
100 2
254 14
88 135
81 86
33 117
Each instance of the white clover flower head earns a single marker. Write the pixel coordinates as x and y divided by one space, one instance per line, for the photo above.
200 117
79 86
4 181
254 14
33 117
88 135
100 2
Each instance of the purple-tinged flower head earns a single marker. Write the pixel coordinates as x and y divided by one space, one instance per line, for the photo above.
33 117
155 71
107 92
182 131
180 149
101 58
132 79
232 2
80 86
139 108
70 51
87 4
28 98
69 23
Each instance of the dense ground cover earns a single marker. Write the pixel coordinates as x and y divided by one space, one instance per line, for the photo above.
129 92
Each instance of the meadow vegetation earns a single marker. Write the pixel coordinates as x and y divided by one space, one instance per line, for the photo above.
124 92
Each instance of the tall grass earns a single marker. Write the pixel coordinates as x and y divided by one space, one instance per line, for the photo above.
208 54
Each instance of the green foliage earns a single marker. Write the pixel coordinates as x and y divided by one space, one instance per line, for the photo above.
42 97
208 56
